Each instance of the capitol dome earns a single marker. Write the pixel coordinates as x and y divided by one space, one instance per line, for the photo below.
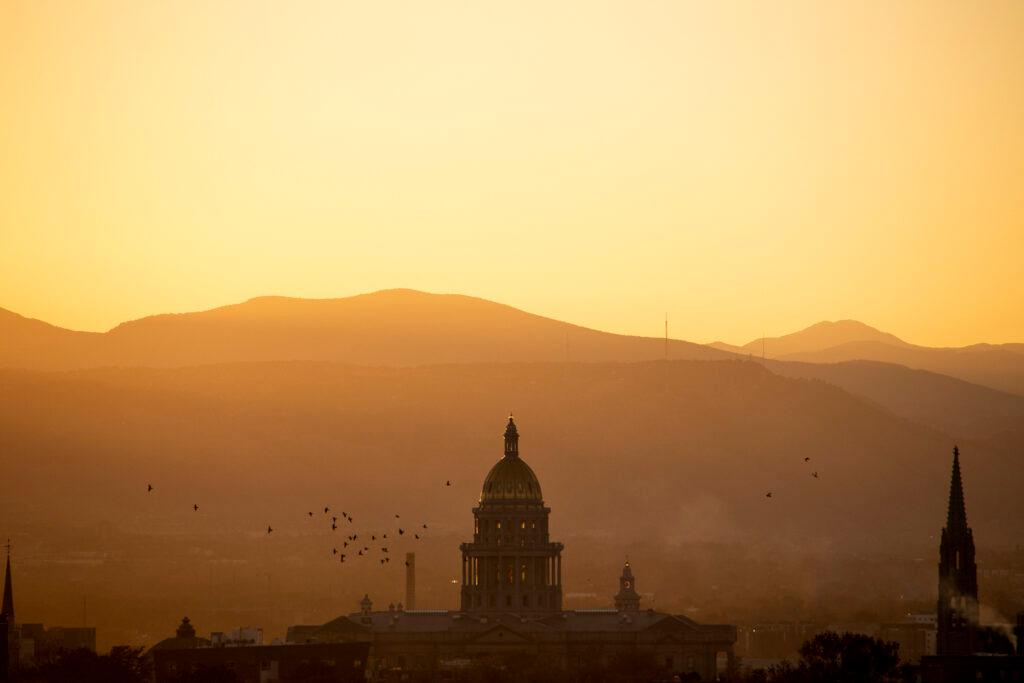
511 479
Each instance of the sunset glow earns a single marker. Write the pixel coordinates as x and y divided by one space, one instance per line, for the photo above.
749 168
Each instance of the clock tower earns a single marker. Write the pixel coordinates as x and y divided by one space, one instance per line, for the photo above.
627 599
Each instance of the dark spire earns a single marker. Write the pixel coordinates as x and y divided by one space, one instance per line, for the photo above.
8 606
956 517
511 439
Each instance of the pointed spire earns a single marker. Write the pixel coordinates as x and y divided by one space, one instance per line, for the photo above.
511 438
956 516
8 605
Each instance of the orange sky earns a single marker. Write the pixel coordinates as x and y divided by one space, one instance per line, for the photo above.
748 167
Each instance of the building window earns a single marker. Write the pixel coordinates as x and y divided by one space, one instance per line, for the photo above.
522 525
497 525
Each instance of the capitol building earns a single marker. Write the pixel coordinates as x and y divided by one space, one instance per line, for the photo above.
511 603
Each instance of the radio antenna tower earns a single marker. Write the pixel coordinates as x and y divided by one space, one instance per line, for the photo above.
666 335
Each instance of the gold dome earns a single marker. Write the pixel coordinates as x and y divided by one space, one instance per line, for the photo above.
511 479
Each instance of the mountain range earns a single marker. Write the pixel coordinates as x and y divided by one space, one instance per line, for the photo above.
260 409
406 327
1000 366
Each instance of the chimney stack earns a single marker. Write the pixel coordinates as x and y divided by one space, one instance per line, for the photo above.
410 581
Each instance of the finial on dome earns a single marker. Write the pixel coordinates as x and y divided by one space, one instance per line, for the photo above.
511 438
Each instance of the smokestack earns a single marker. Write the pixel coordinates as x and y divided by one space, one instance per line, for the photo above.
410 581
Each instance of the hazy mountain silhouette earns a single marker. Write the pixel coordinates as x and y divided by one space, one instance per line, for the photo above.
642 455
989 365
30 343
823 335
954 406
999 366
391 327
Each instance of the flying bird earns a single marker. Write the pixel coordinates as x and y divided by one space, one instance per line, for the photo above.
397 516
195 508
417 536
448 483
334 551
807 459
814 474
424 526
270 529
768 495
401 531
149 487
310 514
333 526
360 552
326 509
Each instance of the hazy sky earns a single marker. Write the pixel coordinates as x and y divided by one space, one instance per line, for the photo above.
748 167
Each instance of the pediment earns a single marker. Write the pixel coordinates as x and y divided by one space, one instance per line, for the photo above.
674 624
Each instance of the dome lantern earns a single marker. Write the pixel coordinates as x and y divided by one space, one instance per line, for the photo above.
511 439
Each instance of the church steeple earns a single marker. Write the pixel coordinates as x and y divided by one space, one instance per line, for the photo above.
8 605
511 439
958 575
956 514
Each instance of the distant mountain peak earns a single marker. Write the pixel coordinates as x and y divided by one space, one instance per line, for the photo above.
819 336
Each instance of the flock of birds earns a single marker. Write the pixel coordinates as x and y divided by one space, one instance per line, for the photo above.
353 538
813 474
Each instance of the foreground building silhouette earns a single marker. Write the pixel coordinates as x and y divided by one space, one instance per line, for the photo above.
248 660
511 602
959 655
958 575
26 643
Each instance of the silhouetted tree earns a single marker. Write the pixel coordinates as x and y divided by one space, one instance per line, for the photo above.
849 657
831 657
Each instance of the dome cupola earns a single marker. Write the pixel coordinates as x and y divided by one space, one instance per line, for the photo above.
511 479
